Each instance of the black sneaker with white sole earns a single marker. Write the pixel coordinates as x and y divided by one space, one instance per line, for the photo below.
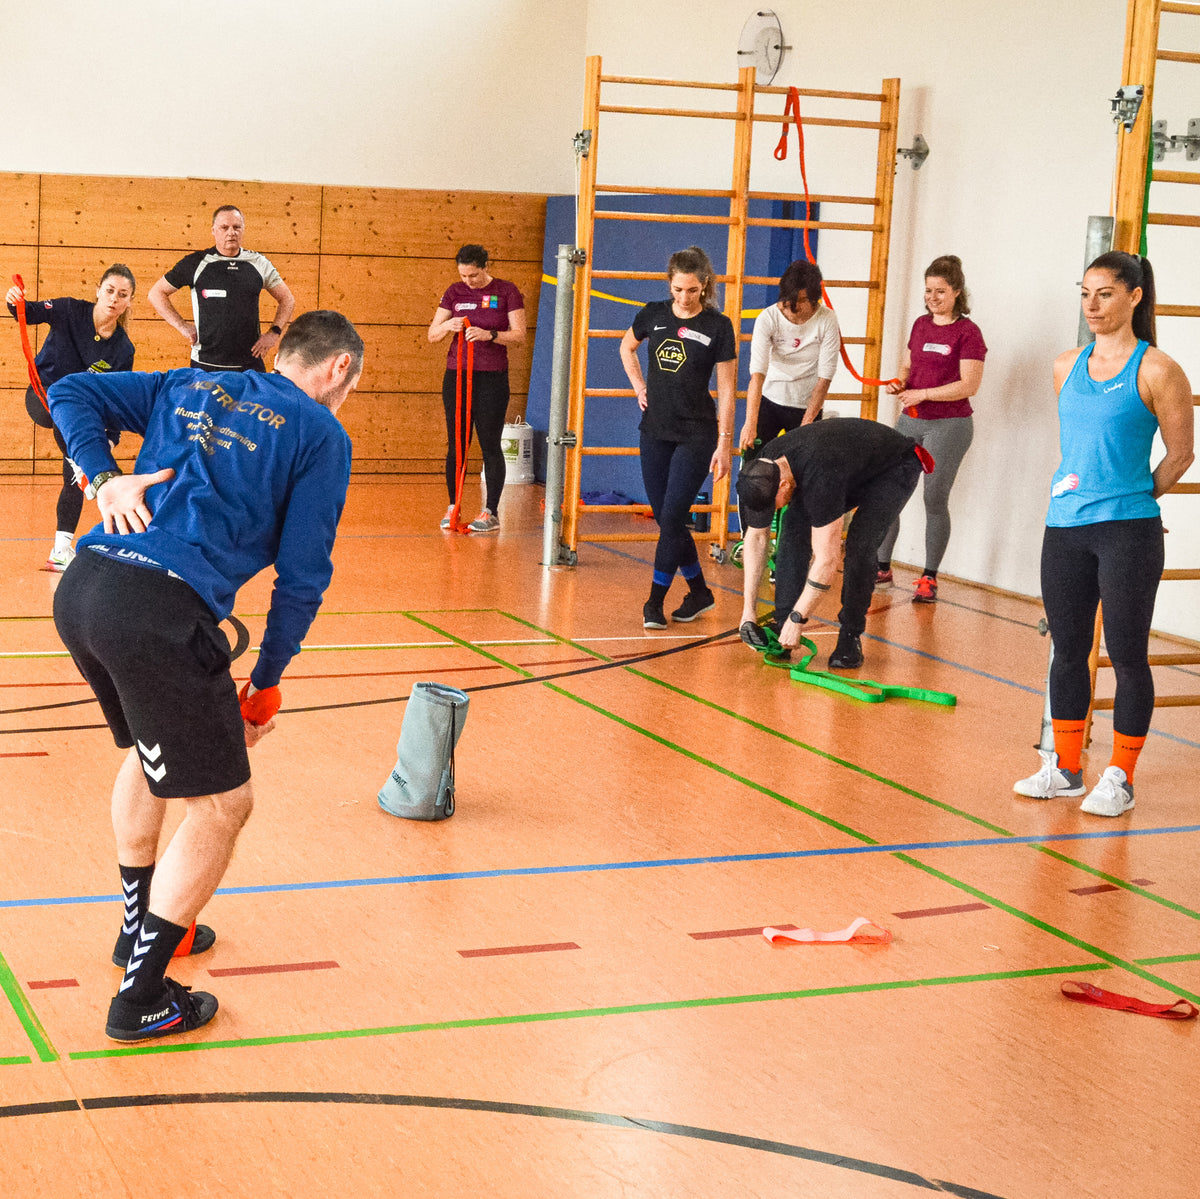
695 603
652 615
177 1009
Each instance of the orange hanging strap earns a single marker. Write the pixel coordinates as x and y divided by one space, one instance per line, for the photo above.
791 112
462 424
34 380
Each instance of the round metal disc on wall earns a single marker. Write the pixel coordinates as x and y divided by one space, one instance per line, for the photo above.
761 45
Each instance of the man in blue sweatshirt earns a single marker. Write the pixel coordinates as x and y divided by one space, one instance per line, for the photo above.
237 472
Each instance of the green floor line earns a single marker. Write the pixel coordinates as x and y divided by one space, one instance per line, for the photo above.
1167 961
1124 884
467 645
26 1015
629 1009
16 1061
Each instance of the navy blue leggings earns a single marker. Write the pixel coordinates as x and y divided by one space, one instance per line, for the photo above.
1116 563
672 472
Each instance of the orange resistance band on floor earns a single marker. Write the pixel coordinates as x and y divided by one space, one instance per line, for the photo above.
1181 1009
34 379
462 425
791 112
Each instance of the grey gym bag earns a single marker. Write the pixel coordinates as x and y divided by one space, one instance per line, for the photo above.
421 785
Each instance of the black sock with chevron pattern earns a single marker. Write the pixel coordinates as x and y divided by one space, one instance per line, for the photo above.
152 951
135 884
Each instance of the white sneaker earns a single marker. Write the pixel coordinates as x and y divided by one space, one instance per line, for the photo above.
1051 780
485 522
59 560
1111 796
446 519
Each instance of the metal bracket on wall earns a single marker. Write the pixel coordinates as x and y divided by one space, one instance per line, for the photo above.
582 142
1126 104
1172 143
916 153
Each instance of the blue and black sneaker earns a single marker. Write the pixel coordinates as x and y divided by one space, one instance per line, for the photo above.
178 1009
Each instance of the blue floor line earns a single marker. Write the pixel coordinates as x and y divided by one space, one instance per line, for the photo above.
649 864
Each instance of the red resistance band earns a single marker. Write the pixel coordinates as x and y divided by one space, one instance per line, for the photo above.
1181 1009
462 424
791 112
35 381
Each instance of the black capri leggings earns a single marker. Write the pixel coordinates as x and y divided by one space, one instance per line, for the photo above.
489 407
1118 564
70 497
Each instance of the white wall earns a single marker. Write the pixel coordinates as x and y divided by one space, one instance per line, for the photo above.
392 93
1013 99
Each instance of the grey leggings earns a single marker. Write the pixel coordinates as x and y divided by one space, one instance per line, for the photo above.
948 441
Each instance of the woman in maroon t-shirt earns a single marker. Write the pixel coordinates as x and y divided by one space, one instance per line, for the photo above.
941 371
493 312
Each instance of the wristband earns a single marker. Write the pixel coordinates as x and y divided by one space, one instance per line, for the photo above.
815 585
259 708
99 481
275 329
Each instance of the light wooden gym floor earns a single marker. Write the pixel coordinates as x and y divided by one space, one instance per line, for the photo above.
562 991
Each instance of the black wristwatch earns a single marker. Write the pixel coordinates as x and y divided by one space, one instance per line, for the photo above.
495 334
275 329
95 484
796 618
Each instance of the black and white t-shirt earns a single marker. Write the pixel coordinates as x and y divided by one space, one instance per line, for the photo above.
682 356
225 294
834 461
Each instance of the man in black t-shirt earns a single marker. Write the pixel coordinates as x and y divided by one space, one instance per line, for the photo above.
226 282
820 472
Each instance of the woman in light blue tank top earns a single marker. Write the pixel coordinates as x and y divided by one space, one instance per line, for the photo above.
1104 536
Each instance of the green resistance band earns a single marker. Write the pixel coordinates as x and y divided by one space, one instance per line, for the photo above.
866 691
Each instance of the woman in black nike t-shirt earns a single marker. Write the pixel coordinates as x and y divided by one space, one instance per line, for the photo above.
683 436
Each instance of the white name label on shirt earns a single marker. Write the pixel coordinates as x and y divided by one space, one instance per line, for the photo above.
935 347
214 293
464 307
692 335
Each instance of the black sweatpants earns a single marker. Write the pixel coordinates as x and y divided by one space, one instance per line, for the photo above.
489 407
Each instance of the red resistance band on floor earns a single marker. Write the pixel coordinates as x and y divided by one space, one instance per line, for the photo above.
1181 1009
791 112
462 425
34 379
850 935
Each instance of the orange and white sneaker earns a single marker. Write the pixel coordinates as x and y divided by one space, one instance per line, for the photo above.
925 591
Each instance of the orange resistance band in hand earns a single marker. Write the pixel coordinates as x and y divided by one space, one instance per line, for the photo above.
462 425
791 112
35 381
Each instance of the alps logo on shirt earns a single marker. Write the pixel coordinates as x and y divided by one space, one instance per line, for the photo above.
692 335
670 355
1065 484
214 293
935 347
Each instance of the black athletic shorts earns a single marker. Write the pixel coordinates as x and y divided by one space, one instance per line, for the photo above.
152 651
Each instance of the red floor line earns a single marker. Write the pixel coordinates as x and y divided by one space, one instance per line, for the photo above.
487 953
1096 890
32 753
46 984
948 911
740 932
282 968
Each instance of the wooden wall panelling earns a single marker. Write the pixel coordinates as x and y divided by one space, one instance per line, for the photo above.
19 209
400 358
16 260
380 290
433 224
102 210
16 433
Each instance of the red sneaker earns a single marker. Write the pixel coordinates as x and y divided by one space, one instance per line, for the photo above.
926 590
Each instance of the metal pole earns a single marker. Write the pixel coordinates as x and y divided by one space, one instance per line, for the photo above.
557 437
1099 240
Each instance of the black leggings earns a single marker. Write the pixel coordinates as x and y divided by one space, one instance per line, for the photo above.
489 407
70 498
672 472
1117 563
774 419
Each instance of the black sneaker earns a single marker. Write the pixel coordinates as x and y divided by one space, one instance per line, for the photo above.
695 603
178 1009
847 654
755 636
204 940
652 615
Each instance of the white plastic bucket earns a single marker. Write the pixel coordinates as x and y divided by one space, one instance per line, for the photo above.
517 443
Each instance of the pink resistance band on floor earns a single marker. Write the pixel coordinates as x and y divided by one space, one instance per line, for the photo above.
1181 1009
850 935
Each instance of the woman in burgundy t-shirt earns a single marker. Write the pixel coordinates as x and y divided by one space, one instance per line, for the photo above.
490 314
941 371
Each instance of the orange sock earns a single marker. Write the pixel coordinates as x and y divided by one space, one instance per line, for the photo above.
1125 752
1068 743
